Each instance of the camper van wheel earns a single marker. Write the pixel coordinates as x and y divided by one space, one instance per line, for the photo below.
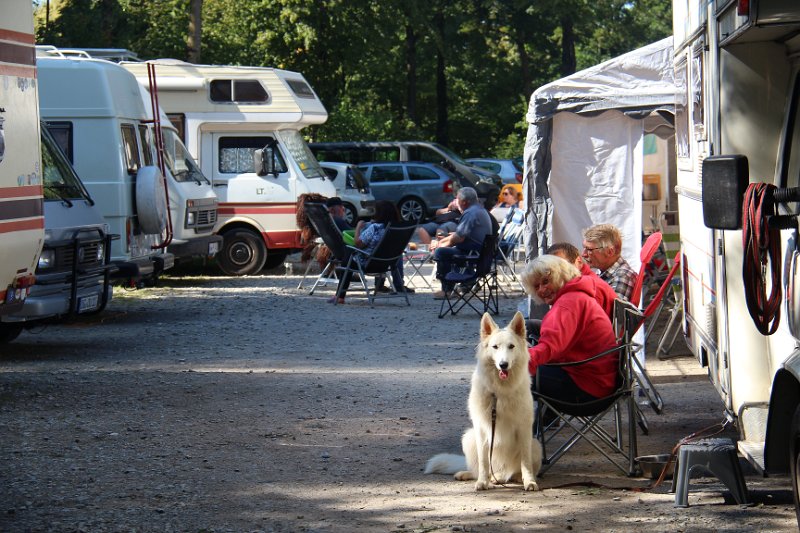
794 461
350 214
243 253
9 332
411 209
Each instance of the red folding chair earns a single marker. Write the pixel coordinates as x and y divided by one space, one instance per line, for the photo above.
649 249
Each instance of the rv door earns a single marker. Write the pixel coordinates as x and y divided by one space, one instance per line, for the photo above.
234 167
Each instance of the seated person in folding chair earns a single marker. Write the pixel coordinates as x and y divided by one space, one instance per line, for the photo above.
444 222
474 226
575 328
336 209
509 198
367 237
602 249
603 292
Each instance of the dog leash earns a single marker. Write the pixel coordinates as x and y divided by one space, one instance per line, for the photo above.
706 432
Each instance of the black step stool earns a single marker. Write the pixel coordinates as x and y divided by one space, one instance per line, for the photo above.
718 456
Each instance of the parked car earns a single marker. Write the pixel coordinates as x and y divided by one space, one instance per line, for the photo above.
486 183
418 189
353 188
509 170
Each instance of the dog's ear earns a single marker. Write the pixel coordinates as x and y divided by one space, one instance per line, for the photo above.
488 325
517 325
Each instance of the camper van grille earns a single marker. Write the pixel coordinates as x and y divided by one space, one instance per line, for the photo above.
207 217
87 254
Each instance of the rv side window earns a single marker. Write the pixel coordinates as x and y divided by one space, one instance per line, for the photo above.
386 173
421 173
60 180
144 137
790 168
243 91
131 148
62 134
681 111
236 154
698 120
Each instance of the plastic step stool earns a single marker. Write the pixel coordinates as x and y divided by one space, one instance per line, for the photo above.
718 456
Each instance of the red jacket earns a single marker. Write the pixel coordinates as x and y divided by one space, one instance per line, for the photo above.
603 292
576 328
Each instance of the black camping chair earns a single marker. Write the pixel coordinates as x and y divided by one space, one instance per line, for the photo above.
587 421
326 228
386 254
475 281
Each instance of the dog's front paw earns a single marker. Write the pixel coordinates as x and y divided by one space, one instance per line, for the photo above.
482 485
531 485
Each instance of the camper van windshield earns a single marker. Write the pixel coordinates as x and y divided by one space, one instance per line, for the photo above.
60 181
296 146
179 161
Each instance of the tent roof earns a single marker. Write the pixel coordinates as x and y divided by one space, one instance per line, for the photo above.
639 81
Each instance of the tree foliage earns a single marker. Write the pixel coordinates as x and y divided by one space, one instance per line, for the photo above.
454 70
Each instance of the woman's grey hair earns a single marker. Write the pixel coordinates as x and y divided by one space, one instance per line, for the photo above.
468 194
557 269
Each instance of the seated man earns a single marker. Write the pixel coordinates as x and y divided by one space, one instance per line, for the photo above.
474 226
444 222
603 292
336 209
602 249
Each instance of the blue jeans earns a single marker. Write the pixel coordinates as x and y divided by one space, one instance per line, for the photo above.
444 263
556 383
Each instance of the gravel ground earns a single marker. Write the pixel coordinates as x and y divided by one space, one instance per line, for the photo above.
243 404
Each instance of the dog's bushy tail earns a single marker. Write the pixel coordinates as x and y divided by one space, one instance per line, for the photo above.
446 463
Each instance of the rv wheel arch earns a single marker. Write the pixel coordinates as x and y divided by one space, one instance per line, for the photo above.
243 253
784 403
794 461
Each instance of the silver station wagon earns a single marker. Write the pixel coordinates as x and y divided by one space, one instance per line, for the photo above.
417 189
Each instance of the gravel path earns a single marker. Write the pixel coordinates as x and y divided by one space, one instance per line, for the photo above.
243 404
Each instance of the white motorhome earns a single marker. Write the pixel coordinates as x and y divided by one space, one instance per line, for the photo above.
93 109
737 121
21 206
226 114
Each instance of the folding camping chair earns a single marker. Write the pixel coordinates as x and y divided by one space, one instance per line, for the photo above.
325 227
589 421
673 300
476 279
649 249
510 236
386 254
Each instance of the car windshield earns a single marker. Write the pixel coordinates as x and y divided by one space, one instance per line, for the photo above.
179 161
296 146
517 163
60 181
451 154
355 178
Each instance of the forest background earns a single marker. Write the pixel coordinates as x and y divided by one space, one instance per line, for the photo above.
459 72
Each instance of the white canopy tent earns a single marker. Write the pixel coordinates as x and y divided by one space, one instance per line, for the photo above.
583 153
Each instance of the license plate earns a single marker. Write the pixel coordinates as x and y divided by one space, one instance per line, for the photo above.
213 248
88 303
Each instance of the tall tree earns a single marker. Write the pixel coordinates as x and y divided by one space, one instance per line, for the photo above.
195 31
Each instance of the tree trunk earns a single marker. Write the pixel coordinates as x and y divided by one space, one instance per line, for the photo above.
411 73
195 31
441 82
524 61
568 62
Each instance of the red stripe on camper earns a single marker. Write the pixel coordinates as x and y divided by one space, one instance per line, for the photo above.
22 225
248 209
19 192
17 36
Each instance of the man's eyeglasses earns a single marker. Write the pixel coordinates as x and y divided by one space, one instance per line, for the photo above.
590 250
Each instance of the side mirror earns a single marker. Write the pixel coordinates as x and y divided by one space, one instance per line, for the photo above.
264 160
725 180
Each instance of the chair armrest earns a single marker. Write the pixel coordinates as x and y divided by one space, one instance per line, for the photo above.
592 358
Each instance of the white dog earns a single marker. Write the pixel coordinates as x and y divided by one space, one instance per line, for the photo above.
500 384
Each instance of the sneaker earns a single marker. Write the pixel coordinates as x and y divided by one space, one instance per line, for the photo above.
407 290
382 288
440 295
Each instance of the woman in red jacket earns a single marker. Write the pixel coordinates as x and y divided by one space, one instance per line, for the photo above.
575 328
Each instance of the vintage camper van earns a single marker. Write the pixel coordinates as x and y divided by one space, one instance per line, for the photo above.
73 274
93 109
21 208
226 114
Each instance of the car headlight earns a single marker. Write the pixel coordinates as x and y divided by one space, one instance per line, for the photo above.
190 218
101 252
47 259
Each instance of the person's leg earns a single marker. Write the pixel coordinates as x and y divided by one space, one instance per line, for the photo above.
444 262
398 278
341 288
425 231
555 382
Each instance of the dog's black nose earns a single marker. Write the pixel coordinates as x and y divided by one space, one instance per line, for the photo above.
503 365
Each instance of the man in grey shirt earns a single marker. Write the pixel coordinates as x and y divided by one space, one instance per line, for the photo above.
474 226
